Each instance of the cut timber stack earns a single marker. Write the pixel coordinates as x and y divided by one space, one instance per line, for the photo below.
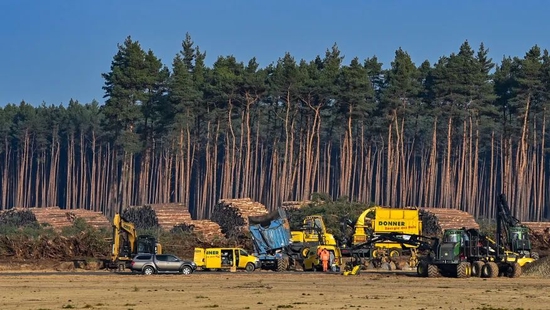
209 230
171 214
94 219
232 215
539 227
176 215
295 205
436 220
52 216
59 218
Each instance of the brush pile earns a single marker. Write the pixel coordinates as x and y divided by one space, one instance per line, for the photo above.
232 215
18 218
436 220
142 217
58 247
538 268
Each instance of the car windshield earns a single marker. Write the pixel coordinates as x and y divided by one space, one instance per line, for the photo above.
243 252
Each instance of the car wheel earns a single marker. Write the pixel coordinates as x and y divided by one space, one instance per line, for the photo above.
250 267
148 270
186 270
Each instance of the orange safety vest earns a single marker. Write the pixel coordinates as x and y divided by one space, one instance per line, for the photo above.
325 255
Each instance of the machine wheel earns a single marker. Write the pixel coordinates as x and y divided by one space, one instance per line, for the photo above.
304 252
514 271
463 270
433 271
148 270
250 267
535 255
490 270
186 270
395 253
477 267
282 264
422 269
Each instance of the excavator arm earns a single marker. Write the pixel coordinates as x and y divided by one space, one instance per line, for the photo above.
124 238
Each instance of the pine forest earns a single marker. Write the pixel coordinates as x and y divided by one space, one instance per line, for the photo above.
449 134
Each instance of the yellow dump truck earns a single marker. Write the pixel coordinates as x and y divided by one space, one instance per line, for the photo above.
225 258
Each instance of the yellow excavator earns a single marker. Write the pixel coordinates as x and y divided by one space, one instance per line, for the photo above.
313 231
126 244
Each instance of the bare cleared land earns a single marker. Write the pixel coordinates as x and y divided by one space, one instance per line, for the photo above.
267 290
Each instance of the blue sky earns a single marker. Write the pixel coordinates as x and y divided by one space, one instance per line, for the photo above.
55 50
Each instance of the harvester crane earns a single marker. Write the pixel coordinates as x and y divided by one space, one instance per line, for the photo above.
511 234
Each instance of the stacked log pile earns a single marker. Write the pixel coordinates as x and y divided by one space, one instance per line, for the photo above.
174 217
436 220
92 218
232 215
538 227
171 214
208 229
294 205
52 216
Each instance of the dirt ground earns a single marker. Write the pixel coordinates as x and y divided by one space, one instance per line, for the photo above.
266 290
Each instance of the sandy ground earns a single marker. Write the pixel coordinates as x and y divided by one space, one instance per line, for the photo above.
261 290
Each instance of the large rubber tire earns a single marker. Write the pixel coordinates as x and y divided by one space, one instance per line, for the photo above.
186 270
395 253
514 271
250 267
433 271
477 266
463 270
535 255
282 264
148 270
490 270
422 269
304 252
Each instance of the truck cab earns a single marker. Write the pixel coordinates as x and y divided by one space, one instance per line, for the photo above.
225 258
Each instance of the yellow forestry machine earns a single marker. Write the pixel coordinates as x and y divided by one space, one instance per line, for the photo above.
126 244
399 224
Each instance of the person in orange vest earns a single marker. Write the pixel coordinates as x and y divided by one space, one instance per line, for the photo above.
325 257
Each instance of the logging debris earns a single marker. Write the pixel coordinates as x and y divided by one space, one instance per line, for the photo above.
232 215
539 268
84 244
436 220
18 218
142 217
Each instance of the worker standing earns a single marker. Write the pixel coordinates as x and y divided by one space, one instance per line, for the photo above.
325 257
